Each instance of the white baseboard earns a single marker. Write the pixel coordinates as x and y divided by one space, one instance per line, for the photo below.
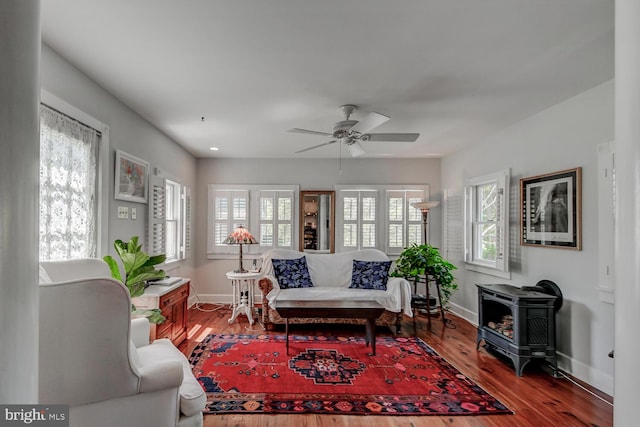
595 378
467 315
211 298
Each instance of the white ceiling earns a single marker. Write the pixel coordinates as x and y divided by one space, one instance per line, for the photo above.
453 70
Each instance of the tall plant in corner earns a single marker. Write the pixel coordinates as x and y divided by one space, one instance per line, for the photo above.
138 268
417 261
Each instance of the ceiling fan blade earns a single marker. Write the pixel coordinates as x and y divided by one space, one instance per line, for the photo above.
399 137
372 120
355 149
312 132
316 146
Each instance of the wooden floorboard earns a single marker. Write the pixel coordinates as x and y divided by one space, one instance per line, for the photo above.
537 398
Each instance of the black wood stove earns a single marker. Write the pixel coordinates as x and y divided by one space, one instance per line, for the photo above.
519 322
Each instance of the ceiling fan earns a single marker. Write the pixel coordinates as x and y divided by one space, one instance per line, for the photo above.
353 132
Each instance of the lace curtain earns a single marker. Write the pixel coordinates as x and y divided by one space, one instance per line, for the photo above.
68 176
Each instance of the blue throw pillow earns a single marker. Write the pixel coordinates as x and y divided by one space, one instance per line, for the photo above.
370 275
292 273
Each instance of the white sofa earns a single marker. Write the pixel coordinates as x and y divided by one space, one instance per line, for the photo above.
94 358
331 277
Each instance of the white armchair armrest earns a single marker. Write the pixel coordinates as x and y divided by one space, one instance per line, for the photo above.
160 376
140 330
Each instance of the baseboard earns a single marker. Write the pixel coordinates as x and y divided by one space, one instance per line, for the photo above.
462 312
211 299
586 373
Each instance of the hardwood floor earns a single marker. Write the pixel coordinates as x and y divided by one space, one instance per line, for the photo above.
537 398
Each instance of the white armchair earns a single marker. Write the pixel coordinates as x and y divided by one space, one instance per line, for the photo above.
98 361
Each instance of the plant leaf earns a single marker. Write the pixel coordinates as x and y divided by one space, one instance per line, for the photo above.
113 266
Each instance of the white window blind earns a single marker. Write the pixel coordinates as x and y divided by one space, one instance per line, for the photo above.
186 236
269 212
157 214
378 216
275 219
229 209
357 211
404 222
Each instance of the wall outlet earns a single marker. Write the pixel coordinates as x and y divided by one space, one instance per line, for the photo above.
123 212
134 214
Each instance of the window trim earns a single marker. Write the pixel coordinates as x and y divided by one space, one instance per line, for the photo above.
178 210
253 218
104 171
184 210
500 267
382 214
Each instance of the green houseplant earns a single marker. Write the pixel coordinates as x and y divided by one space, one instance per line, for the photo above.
138 269
417 261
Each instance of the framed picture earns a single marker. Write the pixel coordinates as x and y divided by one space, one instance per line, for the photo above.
132 175
551 214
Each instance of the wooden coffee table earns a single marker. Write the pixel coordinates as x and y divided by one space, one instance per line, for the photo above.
368 310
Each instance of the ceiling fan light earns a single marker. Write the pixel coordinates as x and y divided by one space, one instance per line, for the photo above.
355 149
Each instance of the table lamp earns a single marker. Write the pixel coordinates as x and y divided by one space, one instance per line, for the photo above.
240 236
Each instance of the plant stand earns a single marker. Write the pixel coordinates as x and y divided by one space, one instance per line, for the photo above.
423 301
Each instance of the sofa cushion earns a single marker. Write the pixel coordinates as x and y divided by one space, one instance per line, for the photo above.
292 273
370 274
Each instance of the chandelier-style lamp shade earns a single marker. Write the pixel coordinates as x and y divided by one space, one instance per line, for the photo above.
240 236
424 209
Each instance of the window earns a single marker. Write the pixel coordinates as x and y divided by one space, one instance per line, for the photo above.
266 211
486 223
378 217
228 209
69 193
404 221
358 219
173 220
275 219
169 219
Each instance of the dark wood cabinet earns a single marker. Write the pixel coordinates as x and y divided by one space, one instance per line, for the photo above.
173 302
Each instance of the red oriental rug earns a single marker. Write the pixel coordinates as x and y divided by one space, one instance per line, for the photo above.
329 375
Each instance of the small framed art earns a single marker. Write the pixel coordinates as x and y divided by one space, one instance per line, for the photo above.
131 179
551 210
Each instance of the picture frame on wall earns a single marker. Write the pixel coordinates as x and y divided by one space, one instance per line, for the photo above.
131 178
551 210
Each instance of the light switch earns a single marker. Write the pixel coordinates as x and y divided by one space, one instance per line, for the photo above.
123 212
133 213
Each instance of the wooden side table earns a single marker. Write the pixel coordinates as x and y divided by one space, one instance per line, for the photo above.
243 294
172 301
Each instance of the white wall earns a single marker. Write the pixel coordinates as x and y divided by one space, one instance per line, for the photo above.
561 137
19 141
128 132
309 174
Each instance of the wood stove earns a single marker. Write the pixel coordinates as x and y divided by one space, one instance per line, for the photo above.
519 322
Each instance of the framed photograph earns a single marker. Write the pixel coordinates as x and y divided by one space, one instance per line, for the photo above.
132 177
551 214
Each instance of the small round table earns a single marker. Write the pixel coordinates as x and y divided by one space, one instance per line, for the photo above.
243 289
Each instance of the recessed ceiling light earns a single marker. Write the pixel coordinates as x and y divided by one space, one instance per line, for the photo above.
213 148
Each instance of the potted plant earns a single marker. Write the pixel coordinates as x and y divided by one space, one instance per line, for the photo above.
417 261
138 269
